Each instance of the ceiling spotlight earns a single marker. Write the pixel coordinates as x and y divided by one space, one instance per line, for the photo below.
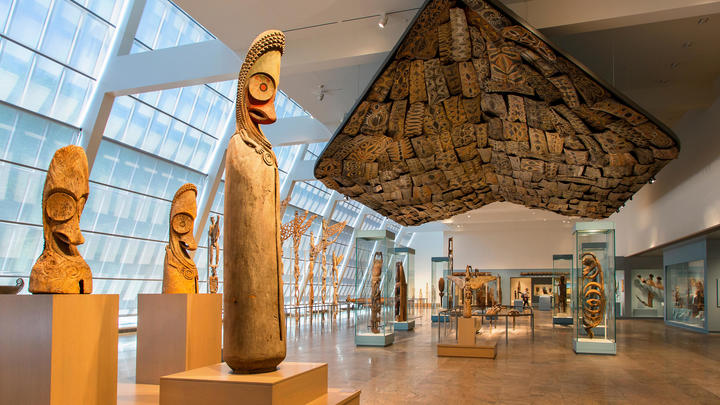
687 44
652 180
703 20
383 20
674 65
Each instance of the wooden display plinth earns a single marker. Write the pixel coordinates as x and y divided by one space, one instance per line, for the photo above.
466 346
58 349
455 350
405 325
290 384
177 332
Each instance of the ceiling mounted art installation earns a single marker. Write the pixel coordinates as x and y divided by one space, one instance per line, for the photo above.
474 107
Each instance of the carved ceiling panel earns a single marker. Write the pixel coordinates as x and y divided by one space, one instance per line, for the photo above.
474 107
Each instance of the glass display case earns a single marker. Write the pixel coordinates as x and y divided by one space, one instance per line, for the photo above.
648 293
686 294
562 290
594 288
406 256
374 288
440 267
619 293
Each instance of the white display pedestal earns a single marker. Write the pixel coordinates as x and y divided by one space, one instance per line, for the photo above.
58 349
374 339
594 346
406 325
466 345
177 332
290 384
545 303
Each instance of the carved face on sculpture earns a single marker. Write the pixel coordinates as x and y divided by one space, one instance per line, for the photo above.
182 221
64 195
259 80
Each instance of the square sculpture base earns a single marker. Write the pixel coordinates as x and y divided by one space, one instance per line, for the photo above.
544 303
177 332
483 351
406 325
58 349
466 331
374 339
594 346
562 320
290 384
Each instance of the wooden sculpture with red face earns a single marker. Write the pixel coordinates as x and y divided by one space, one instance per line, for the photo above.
60 269
180 275
254 329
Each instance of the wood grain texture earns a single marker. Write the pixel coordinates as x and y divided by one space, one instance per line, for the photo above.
493 113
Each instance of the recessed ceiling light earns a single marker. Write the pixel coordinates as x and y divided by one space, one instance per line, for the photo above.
688 44
674 65
703 20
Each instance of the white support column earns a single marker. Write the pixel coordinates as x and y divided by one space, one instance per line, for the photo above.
215 172
98 110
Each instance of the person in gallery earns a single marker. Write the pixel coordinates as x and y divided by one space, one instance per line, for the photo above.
526 298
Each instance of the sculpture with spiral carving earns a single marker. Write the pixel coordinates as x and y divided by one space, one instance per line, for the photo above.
593 293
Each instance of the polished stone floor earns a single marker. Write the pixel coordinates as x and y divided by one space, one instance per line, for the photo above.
655 364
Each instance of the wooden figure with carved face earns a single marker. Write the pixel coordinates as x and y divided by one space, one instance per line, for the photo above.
60 269
180 275
254 330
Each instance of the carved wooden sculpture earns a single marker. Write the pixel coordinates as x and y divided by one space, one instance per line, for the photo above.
336 260
60 269
213 253
180 275
593 290
441 289
254 328
313 253
474 107
375 297
329 235
295 229
400 293
563 294
467 294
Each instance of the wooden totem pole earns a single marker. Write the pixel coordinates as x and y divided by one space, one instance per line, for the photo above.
295 230
336 260
61 269
254 329
330 234
180 275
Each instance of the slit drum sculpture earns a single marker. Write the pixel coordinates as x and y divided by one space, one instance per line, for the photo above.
254 332
180 275
61 269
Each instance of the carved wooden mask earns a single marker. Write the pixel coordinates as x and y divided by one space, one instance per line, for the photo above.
182 223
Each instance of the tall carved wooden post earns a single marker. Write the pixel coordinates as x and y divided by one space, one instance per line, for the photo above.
330 234
180 275
375 298
336 260
61 269
314 250
400 293
254 331
295 230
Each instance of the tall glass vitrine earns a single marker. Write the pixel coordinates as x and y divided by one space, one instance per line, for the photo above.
440 267
594 288
562 289
406 256
374 287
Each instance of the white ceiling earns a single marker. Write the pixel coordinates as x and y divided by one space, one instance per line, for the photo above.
638 46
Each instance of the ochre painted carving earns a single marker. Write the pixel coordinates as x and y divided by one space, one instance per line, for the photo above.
254 315
400 293
548 134
375 297
593 293
336 260
213 253
295 229
60 269
180 275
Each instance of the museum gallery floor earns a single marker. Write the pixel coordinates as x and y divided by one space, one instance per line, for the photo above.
654 364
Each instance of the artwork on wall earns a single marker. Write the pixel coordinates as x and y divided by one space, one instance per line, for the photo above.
474 107
648 293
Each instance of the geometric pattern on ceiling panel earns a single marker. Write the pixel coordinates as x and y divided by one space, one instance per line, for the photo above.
474 106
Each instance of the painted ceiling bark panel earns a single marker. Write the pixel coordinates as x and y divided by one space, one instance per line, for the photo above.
473 107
